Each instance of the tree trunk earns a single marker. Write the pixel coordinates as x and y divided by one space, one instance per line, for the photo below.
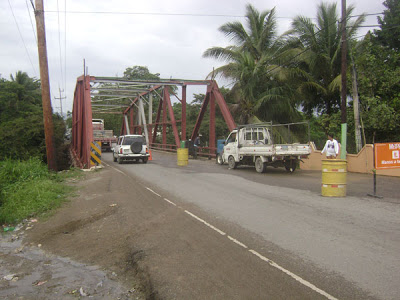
357 126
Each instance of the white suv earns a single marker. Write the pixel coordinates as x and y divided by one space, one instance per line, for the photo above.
130 147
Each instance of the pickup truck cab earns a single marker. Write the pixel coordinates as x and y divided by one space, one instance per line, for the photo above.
130 147
254 145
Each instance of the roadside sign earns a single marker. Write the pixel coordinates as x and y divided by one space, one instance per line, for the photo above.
95 153
387 155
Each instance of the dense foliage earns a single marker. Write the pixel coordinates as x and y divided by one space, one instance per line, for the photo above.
378 66
21 121
297 76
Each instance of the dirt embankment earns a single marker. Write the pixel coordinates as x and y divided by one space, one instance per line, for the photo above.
83 250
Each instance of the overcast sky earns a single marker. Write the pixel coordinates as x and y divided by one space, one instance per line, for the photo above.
171 45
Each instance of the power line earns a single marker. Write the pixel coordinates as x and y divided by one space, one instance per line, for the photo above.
155 14
23 42
59 44
30 18
372 14
174 14
146 13
65 47
33 31
387 28
33 6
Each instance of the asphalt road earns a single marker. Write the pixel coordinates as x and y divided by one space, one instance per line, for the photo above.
344 248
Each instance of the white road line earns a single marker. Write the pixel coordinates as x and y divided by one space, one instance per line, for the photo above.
113 168
270 262
207 224
169 201
153 191
294 276
237 242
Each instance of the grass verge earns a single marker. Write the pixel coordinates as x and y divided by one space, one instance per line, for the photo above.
28 189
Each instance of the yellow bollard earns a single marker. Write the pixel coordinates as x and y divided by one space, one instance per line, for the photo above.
183 156
334 175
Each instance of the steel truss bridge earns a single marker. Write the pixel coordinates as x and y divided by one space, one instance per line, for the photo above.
133 99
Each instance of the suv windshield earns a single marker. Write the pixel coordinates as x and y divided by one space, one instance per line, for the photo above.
129 140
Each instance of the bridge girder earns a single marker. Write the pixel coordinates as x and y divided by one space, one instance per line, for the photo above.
121 96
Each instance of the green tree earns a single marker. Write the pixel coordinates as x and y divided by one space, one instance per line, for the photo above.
252 65
389 33
378 65
317 57
140 72
21 121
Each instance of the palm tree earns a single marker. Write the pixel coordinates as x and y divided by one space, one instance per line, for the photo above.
31 89
317 61
252 65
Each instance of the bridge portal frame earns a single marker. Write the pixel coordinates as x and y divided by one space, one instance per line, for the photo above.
111 94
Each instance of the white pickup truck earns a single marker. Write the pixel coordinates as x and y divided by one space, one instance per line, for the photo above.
254 145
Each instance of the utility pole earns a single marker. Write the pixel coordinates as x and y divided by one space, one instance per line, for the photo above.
60 98
44 79
344 83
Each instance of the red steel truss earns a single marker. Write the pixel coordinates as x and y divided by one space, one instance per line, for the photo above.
82 133
128 97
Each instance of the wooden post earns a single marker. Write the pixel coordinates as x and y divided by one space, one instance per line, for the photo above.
44 79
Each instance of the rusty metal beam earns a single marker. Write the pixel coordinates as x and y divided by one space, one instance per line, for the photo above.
211 143
102 111
223 107
164 130
171 116
88 129
82 132
166 82
114 95
142 94
135 90
131 119
201 114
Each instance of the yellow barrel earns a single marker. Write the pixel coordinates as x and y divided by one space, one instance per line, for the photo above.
334 174
183 156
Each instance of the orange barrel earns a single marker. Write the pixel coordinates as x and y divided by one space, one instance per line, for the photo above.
183 156
334 176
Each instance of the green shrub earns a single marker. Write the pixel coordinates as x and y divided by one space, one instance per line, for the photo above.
12 171
30 199
28 189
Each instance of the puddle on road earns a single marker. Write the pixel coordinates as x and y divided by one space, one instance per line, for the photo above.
31 273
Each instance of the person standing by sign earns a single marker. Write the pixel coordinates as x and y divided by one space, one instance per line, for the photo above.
331 147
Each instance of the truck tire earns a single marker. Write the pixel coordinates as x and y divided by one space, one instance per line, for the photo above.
219 159
261 166
145 159
232 163
114 158
136 147
119 159
290 165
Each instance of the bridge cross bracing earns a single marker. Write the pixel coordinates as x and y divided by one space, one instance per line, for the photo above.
133 100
